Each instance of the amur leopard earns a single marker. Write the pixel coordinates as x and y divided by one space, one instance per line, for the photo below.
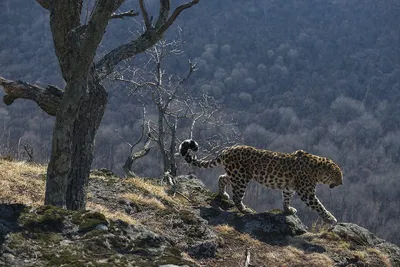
298 172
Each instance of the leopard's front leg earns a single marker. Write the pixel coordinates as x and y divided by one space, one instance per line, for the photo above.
313 202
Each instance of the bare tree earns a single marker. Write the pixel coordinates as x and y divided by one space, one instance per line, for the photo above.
79 108
135 155
172 100
27 148
167 94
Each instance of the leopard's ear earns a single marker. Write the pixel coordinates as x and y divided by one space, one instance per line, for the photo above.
300 153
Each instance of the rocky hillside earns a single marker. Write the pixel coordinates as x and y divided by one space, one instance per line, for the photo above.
143 222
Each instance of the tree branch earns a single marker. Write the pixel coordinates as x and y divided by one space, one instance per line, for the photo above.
122 15
192 68
48 98
135 84
94 33
174 15
150 37
44 3
145 15
107 64
165 7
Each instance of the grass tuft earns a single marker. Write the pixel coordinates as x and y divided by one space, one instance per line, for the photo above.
22 182
111 214
143 201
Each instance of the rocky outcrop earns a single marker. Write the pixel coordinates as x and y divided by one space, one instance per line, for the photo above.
54 237
144 222
361 237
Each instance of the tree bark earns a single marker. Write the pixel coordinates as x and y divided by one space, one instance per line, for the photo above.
77 121
85 128
61 153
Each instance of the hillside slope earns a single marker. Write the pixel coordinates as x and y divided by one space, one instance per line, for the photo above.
140 222
322 76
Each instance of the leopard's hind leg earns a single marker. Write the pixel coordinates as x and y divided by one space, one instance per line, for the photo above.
239 186
223 181
287 197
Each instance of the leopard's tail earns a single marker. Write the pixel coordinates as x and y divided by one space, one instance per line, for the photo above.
190 144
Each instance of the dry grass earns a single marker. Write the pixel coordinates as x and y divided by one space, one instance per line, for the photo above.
263 254
24 183
152 189
224 229
144 202
245 238
21 182
379 256
291 256
111 214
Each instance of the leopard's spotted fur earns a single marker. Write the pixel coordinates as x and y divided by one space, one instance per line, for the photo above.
292 172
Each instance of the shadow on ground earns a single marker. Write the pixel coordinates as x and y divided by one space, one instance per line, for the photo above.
274 228
9 214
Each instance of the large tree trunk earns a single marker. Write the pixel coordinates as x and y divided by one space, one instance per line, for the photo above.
77 121
86 126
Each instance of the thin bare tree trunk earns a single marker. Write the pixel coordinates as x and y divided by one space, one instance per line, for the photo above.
173 169
161 138
128 169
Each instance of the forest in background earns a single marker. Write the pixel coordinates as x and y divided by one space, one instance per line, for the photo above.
322 76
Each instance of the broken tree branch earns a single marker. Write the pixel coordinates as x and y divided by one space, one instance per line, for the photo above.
48 99
122 15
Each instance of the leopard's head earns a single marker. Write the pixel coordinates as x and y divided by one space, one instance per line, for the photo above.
332 174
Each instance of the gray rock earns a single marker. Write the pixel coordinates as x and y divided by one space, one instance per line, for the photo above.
364 238
263 226
192 234
101 227
9 257
356 234
187 184
392 251
206 249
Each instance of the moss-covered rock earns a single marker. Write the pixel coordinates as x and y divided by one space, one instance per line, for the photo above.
88 221
51 236
46 218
